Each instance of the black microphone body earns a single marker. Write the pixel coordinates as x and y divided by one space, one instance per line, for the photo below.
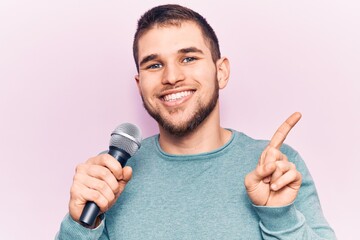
122 140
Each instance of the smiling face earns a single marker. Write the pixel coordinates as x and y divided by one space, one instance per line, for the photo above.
178 79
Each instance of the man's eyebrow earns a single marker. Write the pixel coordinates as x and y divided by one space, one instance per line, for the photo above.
151 57
190 50
148 58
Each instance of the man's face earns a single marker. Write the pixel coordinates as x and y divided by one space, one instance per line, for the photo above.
177 77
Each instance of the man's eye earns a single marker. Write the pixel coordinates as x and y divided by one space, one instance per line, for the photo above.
154 66
189 59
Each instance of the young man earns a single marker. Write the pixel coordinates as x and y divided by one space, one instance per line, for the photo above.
195 180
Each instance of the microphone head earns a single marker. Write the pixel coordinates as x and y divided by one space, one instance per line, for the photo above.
127 137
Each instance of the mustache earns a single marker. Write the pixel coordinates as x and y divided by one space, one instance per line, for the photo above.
171 87
165 89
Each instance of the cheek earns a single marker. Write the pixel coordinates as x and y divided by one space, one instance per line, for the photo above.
147 91
205 71
144 85
206 78
149 82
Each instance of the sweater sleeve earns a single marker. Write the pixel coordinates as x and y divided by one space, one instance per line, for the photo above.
302 219
70 229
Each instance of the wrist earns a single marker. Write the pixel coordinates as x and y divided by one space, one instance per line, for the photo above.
279 218
96 224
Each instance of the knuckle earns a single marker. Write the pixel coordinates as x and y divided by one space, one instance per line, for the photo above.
103 173
73 192
96 196
299 175
111 195
80 167
118 173
107 157
293 174
77 177
115 188
101 186
103 204
279 164
118 169
90 160
292 165
102 158
126 178
283 166
272 152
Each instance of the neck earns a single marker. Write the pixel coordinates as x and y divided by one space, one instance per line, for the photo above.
207 137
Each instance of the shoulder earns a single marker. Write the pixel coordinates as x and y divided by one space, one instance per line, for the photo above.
245 142
148 145
149 140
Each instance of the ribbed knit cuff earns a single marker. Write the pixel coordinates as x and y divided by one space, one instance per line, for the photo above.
70 229
277 219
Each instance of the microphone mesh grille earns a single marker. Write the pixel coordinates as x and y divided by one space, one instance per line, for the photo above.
127 137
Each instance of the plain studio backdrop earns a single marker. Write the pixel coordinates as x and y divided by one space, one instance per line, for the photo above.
67 80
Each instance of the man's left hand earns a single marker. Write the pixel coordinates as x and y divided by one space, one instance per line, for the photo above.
275 181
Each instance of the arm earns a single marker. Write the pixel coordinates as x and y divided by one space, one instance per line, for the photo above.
101 180
71 229
301 219
273 187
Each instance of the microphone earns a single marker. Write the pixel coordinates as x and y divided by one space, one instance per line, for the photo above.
125 141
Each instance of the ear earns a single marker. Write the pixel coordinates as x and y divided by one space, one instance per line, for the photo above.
137 79
223 71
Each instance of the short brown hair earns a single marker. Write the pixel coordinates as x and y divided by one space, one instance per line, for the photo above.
172 14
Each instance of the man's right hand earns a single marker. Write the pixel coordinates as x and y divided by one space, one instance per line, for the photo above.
100 179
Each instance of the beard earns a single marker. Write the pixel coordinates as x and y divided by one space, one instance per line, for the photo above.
202 111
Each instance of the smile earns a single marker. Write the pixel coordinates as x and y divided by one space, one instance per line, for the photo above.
176 96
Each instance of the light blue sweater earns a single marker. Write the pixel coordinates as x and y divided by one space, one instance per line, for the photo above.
203 196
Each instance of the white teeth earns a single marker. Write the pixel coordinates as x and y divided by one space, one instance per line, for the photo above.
176 96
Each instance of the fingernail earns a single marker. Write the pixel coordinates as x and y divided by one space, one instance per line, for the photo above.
267 180
274 187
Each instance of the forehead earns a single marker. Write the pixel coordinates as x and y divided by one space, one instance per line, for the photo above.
169 39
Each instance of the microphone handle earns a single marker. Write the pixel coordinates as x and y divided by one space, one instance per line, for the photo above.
91 210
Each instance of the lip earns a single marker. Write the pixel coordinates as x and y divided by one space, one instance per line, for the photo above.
176 101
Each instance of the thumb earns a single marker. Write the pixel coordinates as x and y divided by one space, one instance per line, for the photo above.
261 173
126 176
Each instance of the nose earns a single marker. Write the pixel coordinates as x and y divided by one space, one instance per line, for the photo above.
172 74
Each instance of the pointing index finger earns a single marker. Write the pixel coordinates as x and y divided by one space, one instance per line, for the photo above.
281 133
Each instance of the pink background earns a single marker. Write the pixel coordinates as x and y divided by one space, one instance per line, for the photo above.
66 81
